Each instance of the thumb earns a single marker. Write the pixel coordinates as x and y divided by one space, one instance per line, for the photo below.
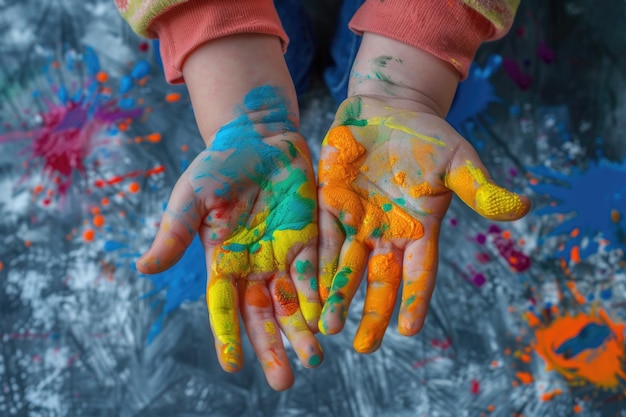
178 226
470 180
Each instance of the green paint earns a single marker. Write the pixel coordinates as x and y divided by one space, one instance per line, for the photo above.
382 76
302 267
400 201
293 151
315 360
387 207
354 122
256 246
313 284
349 230
409 301
342 278
381 61
335 299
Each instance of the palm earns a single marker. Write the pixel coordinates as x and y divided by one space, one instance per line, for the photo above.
386 181
252 201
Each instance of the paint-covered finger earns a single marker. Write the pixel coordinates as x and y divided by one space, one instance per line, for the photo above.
471 181
384 274
304 277
264 333
346 281
222 302
420 273
292 323
178 225
330 241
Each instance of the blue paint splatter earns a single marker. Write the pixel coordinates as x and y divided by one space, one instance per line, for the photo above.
185 281
591 336
591 194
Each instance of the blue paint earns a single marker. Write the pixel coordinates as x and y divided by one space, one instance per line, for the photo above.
91 61
185 281
126 84
591 195
591 336
112 245
140 70
474 95
244 143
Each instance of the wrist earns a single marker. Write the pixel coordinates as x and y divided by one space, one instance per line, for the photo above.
403 76
221 75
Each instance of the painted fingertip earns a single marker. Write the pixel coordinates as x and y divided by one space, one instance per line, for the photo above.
315 360
499 203
367 343
231 357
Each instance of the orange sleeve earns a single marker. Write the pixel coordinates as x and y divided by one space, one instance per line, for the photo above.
186 26
452 30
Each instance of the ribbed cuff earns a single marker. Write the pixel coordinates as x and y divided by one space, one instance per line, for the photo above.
447 29
186 26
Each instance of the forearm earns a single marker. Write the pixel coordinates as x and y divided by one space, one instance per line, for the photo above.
403 75
220 73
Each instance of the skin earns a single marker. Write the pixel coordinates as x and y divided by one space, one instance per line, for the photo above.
250 196
388 169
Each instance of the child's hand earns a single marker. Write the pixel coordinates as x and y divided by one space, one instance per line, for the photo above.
252 200
386 177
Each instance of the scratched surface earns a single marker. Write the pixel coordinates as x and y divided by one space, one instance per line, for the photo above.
527 318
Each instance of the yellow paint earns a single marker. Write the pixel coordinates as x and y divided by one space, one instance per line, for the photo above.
490 200
326 278
391 123
310 309
270 329
225 322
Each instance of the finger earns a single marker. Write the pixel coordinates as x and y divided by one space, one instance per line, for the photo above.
420 273
345 284
304 278
178 226
330 240
222 302
384 273
471 181
264 333
292 323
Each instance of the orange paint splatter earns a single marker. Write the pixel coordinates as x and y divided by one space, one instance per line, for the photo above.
575 232
524 377
578 408
574 254
102 77
615 216
38 189
598 365
154 137
105 201
98 221
491 408
549 396
172 97
89 235
1 266
134 187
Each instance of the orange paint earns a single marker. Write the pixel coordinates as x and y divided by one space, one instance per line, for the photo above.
615 216
526 358
285 298
575 232
578 408
89 235
549 396
105 201
574 254
1 266
134 187
524 377
384 275
38 189
172 97
98 221
256 295
154 137
365 212
102 77
601 366
184 148
491 408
